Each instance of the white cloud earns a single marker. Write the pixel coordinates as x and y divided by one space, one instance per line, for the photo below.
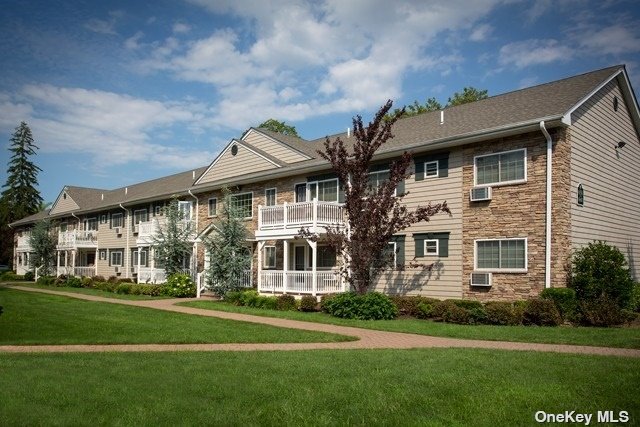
294 59
181 27
527 82
481 33
112 128
105 26
133 42
534 51
615 39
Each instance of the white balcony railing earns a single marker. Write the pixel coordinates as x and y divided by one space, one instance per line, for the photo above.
148 231
246 281
301 282
155 275
24 245
77 239
296 215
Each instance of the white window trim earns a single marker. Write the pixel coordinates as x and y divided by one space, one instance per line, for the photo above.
88 220
111 253
116 215
295 185
264 264
395 190
499 183
437 252
209 207
437 175
275 196
139 210
395 254
502 270
241 194
309 184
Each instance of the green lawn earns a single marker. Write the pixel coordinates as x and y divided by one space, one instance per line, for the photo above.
87 291
339 387
33 318
607 337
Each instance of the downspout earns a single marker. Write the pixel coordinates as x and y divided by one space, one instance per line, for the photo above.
547 248
74 252
195 242
126 254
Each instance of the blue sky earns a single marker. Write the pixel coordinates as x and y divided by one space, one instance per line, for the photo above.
117 92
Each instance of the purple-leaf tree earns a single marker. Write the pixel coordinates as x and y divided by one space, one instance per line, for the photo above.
374 210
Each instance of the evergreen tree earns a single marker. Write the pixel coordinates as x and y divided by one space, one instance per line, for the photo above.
44 248
469 94
227 246
171 244
21 195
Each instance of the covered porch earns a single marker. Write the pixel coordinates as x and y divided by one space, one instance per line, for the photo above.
298 266
76 262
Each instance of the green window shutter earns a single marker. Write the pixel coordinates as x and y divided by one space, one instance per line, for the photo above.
341 197
443 243
400 240
443 164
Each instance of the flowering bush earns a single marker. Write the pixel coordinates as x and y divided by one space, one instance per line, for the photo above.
179 286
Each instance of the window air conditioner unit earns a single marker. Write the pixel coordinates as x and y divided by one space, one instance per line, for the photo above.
136 228
480 194
117 268
118 231
480 279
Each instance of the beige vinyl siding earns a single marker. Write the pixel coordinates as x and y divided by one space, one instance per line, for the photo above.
610 177
108 239
228 165
274 148
445 278
64 204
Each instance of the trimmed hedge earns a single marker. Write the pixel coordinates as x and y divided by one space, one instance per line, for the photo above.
564 300
410 305
370 306
503 313
308 303
541 312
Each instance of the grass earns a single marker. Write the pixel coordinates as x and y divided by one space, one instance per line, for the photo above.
32 318
347 387
88 291
604 337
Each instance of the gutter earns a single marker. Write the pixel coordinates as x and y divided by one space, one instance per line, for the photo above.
126 254
547 245
195 242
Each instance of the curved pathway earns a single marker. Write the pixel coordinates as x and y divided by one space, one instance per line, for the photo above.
367 338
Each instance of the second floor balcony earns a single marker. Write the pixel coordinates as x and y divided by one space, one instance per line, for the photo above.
74 239
24 245
288 218
150 231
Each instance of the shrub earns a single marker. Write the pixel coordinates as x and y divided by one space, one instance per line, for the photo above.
308 303
439 309
425 311
9 276
603 311
268 303
370 306
179 286
541 312
634 303
112 279
564 299
46 280
29 275
123 288
248 298
286 303
233 297
324 299
87 282
105 286
601 270
74 282
98 279
126 280
456 311
503 313
409 305
60 280
467 304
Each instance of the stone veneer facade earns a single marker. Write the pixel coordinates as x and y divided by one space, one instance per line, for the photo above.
518 210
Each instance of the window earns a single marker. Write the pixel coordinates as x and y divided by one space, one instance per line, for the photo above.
117 220
115 258
142 255
103 219
390 255
301 192
103 254
501 168
184 207
213 206
269 257
139 216
325 191
431 169
505 254
431 246
270 196
63 226
244 203
91 224
326 256
377 178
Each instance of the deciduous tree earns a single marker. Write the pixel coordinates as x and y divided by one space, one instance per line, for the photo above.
469 94
171 244
43 243
375 213
280 127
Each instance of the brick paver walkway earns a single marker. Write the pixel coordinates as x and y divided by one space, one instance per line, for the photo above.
367 338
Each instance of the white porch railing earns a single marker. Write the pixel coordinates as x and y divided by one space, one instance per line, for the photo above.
148 231
77 239
156 275
300 282
23 244
246 281
295 215
84 271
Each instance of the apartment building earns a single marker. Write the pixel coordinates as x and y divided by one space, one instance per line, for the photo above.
528 175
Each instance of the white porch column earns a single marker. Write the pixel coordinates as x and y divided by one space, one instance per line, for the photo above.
314 266
73 263
315 213
284 215
285 264
260 247
140 252
58 263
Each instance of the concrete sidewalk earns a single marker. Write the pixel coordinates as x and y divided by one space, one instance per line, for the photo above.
367 338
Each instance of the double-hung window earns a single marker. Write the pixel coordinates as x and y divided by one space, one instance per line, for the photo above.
508 255
244 203
508 167
431 169
115 258
269 257
117 220
431 247
326 256
270 196
324 191
213 206
377 178
139 216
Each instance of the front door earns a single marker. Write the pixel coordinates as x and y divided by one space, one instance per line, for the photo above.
301 193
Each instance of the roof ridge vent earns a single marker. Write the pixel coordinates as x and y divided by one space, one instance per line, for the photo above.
193 174
102 196
441 116
126 190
